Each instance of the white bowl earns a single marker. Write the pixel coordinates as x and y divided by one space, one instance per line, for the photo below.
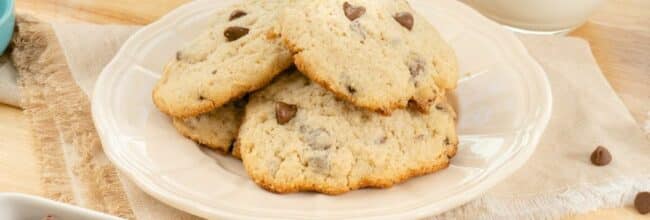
26 207
504 106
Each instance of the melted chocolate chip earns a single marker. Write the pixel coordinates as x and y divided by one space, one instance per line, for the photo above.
601 156
318 163
642 202
284 112
412 104
319 139
351 89
405 19
353 12
416 67
237 14
235 32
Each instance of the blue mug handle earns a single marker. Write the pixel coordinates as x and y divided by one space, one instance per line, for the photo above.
7 23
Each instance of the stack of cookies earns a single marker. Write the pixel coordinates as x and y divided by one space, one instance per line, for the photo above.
317 95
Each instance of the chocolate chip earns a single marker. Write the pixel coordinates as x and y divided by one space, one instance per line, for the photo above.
178 55
236 14
201 98
601 156
440 107
214 72
235 32
351 89
353 12
642 202
447 142
284 112
405 19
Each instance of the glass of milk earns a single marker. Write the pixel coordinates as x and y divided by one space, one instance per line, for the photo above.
537 16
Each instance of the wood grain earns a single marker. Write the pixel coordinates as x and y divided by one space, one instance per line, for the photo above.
618 32
99 11
18 167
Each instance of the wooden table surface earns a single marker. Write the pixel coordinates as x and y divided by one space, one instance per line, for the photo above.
619 34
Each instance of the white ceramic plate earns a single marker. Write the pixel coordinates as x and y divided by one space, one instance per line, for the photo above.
504 106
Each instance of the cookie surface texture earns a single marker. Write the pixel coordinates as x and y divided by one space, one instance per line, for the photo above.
327 145
236 55
377 54
216 129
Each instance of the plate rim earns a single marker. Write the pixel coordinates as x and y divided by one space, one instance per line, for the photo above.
507 168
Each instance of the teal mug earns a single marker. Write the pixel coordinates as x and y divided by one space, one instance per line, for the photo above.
7 21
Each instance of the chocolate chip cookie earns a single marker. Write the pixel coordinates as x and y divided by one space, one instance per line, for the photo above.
216 129
377 54
238 54
297 136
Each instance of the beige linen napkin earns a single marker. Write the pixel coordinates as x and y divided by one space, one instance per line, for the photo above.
59 63
8 83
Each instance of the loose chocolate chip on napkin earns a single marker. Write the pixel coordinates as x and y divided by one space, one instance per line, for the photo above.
601 156
642 202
